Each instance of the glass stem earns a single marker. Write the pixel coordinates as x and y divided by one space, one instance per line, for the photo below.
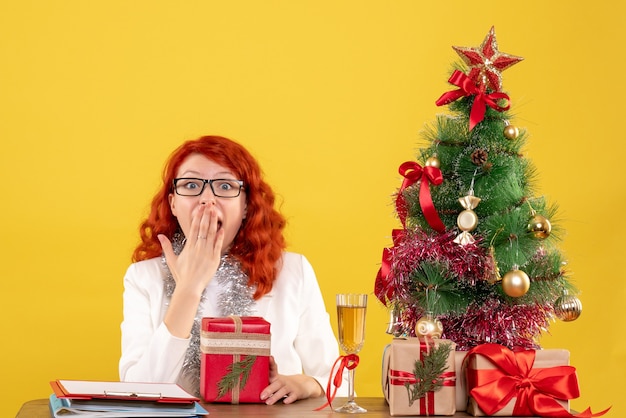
351 385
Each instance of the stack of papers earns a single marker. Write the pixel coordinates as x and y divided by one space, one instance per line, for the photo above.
92 399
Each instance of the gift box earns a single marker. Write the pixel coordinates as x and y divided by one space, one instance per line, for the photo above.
461 383
234 364
402 388
501 382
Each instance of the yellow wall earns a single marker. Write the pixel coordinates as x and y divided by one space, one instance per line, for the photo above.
331 97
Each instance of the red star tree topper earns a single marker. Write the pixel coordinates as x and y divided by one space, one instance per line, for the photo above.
486 62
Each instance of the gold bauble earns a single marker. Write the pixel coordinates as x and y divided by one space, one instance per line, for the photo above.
429 326
467 220
568 308
511 132
539 226
515 283
433 162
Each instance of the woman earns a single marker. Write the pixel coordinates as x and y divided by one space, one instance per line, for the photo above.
213 245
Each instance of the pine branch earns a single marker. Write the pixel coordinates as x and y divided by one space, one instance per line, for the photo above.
235 371
428 373
434 289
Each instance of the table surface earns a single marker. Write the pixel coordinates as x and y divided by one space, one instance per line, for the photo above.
376 407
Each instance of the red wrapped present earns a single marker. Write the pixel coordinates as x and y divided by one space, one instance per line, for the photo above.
502 382
409 395
234 366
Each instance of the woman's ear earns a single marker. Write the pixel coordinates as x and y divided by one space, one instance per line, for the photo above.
170 199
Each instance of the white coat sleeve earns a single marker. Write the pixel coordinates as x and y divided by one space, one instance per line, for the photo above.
149 352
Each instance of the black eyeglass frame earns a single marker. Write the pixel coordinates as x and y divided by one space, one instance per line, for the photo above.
210 183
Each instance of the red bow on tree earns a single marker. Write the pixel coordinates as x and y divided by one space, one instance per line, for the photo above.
481 99
383 286
412 172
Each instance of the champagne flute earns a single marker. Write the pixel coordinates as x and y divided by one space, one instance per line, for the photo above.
351 317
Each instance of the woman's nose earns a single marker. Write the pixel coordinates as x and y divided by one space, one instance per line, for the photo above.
207 197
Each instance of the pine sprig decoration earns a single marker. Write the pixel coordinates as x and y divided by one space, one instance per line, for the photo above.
428 372
236 371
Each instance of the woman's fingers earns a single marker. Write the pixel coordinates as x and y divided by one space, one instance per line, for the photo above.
273 369
195 266
168 250
207 224
196 221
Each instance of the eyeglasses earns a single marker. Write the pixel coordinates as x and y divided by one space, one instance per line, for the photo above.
220 187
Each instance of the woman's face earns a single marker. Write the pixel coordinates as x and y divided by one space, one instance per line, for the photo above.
230 210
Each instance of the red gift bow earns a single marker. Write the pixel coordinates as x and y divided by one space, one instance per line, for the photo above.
412 172
481 101
536 390
349 362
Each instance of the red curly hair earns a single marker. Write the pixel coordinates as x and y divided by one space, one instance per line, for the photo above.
259 243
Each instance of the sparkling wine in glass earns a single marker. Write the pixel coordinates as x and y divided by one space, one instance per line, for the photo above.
351 317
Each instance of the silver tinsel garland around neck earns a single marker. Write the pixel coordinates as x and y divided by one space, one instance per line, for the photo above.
235 298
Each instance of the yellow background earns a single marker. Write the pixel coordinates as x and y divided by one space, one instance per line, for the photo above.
331 97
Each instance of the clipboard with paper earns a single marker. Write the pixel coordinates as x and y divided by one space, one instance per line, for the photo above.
124 391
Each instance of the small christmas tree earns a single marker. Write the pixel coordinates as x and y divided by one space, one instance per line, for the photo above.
477 253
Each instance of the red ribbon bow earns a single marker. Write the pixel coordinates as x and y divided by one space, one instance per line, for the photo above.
412 172
384 278
481 101
536 390
349 362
